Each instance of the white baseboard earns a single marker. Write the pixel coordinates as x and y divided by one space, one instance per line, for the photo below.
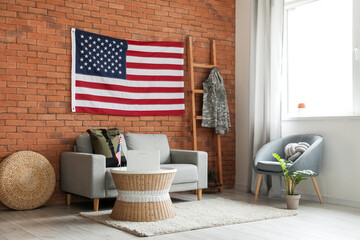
310 197
331 200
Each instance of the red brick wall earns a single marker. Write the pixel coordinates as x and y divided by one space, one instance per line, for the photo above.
35 63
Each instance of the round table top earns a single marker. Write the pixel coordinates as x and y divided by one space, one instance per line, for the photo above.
123 170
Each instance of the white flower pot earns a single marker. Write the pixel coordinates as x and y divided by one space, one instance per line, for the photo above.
293 201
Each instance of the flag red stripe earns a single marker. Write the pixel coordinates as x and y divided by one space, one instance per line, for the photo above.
89 97
160 44
154 66
154 54
129 113
129 89
153 78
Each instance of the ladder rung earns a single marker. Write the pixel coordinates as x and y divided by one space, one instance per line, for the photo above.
198 91
198 117
202 65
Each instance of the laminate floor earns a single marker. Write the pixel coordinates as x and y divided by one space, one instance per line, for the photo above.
314 221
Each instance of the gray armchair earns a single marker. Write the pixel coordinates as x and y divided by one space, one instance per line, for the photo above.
85 174
265 163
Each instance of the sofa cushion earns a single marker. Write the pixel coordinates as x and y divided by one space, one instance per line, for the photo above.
149 142
83 144
186 173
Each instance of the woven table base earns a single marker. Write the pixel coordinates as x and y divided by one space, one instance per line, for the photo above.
142 211
143 197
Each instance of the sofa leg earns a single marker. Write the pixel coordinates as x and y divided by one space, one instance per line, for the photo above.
258 186
96 204
68 198
199 194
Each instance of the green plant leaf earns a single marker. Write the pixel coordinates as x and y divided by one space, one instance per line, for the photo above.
276 156
281 161
295 177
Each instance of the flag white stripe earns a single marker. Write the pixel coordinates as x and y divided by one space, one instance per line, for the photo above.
152 60
142 48
119 94
128 83
127 107
156 72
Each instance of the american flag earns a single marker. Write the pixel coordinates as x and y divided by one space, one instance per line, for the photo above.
118 152
122 77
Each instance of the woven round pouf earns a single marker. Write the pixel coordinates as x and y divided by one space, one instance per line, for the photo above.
27 180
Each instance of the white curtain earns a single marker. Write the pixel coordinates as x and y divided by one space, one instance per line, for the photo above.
265 84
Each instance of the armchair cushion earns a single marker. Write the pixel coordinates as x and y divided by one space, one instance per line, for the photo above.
149 142
269 166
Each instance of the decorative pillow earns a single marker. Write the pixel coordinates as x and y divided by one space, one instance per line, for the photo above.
105 142
294 150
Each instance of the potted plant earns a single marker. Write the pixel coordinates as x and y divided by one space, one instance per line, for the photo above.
291 180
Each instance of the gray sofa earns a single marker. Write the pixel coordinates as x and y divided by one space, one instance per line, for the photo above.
84 173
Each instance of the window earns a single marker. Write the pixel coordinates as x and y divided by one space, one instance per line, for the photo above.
321 58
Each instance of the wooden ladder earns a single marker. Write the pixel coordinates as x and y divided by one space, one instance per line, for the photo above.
194 91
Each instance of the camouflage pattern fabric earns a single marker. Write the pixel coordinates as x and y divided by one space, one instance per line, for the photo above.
215 111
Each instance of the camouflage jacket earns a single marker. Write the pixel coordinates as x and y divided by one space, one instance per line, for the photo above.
215 111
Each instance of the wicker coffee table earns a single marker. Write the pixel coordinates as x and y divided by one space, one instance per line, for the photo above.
143 196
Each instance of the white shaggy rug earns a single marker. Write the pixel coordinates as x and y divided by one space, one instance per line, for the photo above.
195 215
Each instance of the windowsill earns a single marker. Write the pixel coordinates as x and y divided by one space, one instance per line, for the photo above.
320 118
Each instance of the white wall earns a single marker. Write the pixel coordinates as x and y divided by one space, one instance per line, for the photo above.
242 77
338 180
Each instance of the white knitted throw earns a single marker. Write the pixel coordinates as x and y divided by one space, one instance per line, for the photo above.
294 150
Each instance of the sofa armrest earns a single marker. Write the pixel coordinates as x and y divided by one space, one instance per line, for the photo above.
198 158
83 174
